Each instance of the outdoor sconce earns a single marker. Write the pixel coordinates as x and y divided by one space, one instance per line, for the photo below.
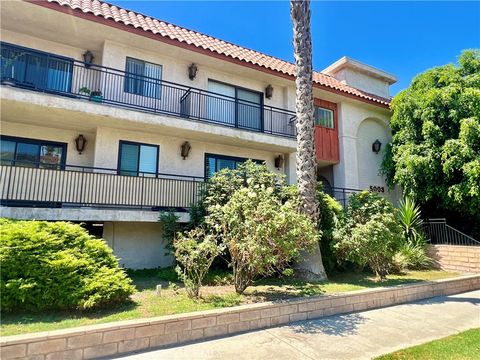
185 149
88 58
269 91
80 142
279 161
376 146
192 71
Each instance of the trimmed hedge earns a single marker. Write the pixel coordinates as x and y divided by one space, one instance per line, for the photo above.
57 265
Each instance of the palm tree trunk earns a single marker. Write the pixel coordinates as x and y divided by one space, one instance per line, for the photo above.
310 266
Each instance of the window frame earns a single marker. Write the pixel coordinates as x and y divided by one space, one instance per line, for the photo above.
237 100
38 142
327 109
226 157
139 144
330 106
131 76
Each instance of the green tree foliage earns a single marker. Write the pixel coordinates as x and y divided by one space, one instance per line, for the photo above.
368 233
435 152
262 233
194 252
57 265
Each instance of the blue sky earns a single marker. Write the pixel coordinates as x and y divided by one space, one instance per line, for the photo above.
401 37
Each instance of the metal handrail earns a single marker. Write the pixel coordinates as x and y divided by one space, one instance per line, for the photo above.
55 186
438 232
150 94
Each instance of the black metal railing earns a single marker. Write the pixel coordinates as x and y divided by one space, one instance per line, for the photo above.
438 232
341 194
44 72
46 185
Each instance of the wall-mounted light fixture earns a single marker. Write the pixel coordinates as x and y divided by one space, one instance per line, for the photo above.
279 162
376 146
192 71
80 142
88 58
185 149
269 91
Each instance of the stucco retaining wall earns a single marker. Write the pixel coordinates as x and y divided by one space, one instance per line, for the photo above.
456 258
106 340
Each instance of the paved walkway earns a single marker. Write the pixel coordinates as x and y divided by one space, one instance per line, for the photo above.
360 335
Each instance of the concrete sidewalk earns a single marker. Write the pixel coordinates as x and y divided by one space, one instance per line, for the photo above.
360 335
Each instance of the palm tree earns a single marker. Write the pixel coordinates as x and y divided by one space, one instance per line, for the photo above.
311 266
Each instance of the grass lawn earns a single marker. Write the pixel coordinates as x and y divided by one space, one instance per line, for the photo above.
217 294
463 346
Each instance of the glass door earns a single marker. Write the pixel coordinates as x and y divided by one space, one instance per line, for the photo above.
221 108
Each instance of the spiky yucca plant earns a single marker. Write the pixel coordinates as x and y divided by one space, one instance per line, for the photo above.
410 217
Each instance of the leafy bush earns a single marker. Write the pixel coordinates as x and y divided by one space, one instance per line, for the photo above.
369 233
330 211
262 233
57 265
194 252
224 183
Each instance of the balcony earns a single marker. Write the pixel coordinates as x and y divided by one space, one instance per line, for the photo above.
49 73
67 186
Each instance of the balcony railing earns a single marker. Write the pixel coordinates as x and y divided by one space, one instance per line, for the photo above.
75 186
44 72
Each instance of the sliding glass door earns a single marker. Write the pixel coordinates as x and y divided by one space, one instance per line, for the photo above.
35 69
234 106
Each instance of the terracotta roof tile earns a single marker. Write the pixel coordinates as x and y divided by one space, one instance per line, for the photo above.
199 40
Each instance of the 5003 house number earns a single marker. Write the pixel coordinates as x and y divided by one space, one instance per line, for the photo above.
379 189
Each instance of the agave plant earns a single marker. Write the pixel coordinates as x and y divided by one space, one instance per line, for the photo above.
409 216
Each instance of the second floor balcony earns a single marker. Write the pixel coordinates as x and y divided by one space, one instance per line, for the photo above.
49 73
41 185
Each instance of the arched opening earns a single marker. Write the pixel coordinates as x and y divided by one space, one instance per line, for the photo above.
369 161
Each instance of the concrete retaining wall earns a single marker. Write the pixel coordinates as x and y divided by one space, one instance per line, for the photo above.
105 340
456 258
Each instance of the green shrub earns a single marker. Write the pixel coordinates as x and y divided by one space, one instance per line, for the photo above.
411 257
368 233
225 182
194 252
57 265
330 211
262 234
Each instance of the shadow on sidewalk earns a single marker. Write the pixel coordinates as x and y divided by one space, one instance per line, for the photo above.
339 325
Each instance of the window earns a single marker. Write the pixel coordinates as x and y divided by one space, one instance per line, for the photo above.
36 69
324 117
143 78
238 107
137 159
31 152
214 163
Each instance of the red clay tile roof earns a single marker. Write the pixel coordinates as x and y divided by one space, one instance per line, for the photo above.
198 40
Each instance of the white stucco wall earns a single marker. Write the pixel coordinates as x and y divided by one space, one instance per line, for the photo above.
364 82
368 132
53 134
170 161
351 171
175 70
138 245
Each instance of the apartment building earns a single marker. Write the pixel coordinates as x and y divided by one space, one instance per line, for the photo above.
109 117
